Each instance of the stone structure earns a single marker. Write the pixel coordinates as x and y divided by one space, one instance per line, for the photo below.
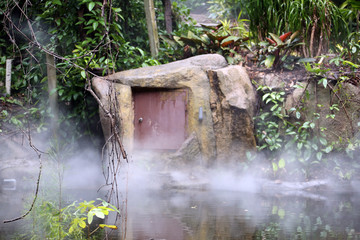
222 95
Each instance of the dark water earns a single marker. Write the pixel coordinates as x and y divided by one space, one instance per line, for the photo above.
190 214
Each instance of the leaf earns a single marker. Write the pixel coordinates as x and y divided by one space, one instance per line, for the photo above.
90 217
276 38
324 82
307 155
117 10
319 155
269 61
274 210
294 35
225 42
57 2
281 213
100 214
328 149
58 21
82 224
271 41
95 25
108 226
91 6
265 96
281 163
83 74
274 107
275 167
285 36
323 141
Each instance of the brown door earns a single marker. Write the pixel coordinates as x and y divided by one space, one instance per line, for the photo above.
160 119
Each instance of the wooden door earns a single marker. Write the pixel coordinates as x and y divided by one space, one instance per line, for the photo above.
160 119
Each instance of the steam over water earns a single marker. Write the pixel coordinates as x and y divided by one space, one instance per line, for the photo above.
193 203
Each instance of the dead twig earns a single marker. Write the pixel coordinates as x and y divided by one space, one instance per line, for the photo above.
38 152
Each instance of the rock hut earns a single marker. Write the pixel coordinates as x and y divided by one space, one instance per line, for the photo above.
199 107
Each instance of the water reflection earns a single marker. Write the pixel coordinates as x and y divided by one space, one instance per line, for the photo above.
203 215
240 215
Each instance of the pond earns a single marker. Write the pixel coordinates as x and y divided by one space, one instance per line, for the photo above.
215 213
186 214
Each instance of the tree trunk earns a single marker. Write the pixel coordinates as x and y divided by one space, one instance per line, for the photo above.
168 16
152 27
8 76
51 75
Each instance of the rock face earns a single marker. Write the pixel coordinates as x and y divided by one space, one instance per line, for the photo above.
219 108
232 102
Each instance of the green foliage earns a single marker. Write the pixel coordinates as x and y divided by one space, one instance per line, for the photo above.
227 39
276 51
279 135
87 38
318 21
297 138
75 221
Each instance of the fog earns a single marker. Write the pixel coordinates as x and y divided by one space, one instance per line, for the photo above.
155 193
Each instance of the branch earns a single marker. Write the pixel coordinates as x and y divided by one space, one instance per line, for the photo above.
38 152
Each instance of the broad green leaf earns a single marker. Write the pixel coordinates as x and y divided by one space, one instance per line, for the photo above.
230 38
82 224
276 39
95 25
274 210
100 214
57 2
281 213
323 141
91 6
281 163
319 155
266 95
315 147
117 10
275 167
90 217
269 61
351 64
307 155
328 149
83 74
324 82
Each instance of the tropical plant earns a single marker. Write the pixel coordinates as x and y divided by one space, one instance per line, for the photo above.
225 39
319 22
75 221
276 52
